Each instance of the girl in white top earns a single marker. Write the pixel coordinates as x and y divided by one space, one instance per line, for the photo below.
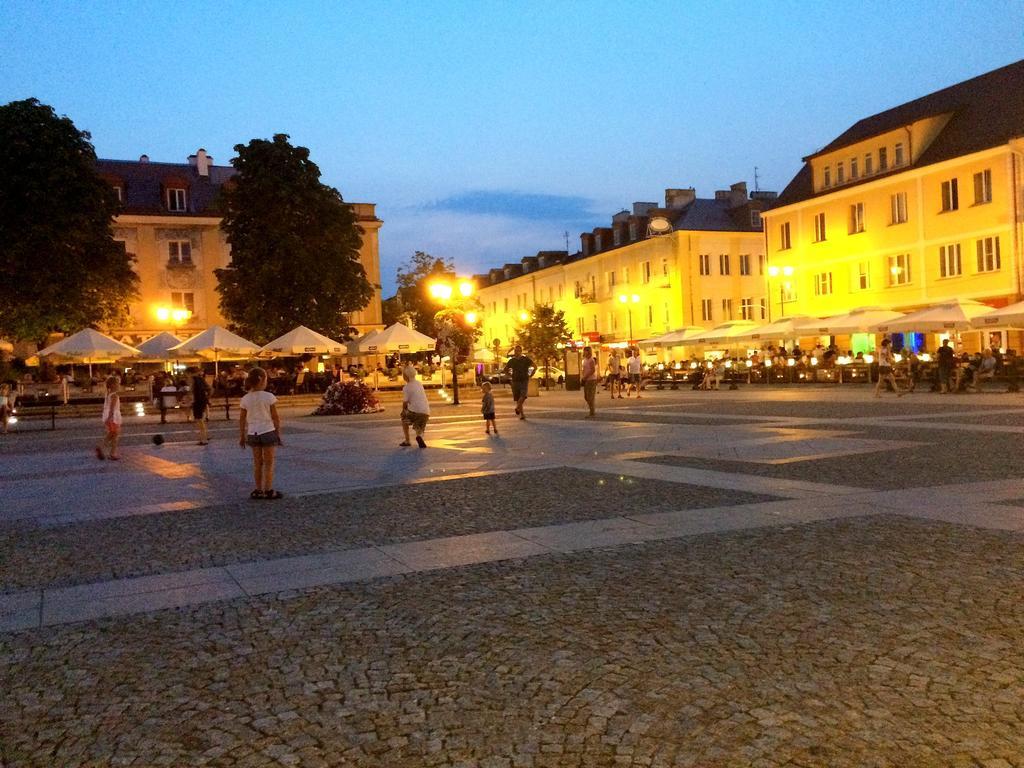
259 427
111 420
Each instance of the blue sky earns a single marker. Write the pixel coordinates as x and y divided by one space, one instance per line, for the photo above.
484 131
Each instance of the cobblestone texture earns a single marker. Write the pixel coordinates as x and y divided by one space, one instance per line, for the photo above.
249 530
868 642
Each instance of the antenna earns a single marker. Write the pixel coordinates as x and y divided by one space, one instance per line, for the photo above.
566 233
756 187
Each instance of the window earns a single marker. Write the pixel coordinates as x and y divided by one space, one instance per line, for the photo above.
764 309
883 159
597 242
744 263
899 269
179 252
579 326
632 230
784 243
898 208
982 187
840 173
819 227
788 292
664 267
856 218
625 276
611 280
988 254
705 263
727 309
823 284
705 310
506 305
186 301
868 160
723 263
760 263
747 309
949 260
645 272
577 289
897 157
950 197
862 276
828 176
119 191
755 219
617 236
650 315
176 200
666 315
853 168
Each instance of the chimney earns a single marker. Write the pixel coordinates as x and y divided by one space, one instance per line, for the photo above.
738 194
203 162
641 209
143 158
679 198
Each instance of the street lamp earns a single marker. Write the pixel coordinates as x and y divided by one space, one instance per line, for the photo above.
785 287
445 294
627 299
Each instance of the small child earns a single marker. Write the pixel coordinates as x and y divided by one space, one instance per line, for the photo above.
259 427
111 420
487 406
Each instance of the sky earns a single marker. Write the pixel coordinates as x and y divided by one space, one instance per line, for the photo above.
488 131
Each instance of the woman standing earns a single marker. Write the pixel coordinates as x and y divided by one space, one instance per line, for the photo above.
588 376
111 421
259 427
200 404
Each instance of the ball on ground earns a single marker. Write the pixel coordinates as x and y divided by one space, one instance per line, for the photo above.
158 439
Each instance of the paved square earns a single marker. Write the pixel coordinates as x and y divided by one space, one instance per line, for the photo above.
792 576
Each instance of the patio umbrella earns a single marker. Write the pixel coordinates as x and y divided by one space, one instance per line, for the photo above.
783 328
399 338
726 332
671 338
957 315
304 341
860 320
89 346
218 343
1010 316
156 348
364 344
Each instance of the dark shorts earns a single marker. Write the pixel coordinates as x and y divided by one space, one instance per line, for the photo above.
613 377
417 421
519 390
884 370
634 378
199 410
267 438
489 416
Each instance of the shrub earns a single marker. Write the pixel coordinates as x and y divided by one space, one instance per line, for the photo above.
348 397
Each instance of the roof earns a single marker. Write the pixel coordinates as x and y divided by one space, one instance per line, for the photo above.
144 184
986 111
704 215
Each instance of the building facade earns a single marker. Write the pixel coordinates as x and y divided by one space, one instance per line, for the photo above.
169 222
917 205
690 262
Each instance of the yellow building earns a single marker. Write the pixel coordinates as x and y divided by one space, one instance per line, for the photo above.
169 223
692 261
911 207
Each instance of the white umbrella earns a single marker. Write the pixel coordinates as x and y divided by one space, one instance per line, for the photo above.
783 328
1010 316
671 338
726 332
156 347
399 338
859 320
218 343
304 341
364 344
89 346
957 315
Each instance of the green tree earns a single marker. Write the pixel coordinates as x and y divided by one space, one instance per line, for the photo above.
454 330
61 268
294 246
541 334
413 297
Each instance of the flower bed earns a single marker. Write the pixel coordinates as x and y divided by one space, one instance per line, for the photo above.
348 397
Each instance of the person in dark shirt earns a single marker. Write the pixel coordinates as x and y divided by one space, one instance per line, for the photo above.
946 363
519 368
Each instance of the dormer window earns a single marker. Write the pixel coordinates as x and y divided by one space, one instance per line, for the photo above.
898 156
633 231
755 219
840 173
853 168
176 199
119 192
868 164
828 176
883 159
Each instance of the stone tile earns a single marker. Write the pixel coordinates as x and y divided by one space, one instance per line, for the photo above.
65 611
463 550
360 569
590 534
206 577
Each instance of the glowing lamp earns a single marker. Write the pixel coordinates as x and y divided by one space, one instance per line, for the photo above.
869 359
728 363
814 361
791 362
787 271
773 271
163 314
471 318
898 358
926 357
750 363
466 288
524 316
441 291
768 363
693 364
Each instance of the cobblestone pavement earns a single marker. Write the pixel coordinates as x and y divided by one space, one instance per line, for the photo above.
869 640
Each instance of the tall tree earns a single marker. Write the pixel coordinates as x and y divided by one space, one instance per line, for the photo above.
541 334
294 246
413 298
61 268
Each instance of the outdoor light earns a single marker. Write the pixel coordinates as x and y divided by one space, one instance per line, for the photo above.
140 409
869 359
465 288
768 363
441 291
680 365
163 314
773 271
814 361
661 366
471 318
898 358
180 315
787 271
524 316
693 364
791 362
750 363
925 357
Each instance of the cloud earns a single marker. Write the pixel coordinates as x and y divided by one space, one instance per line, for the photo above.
518 205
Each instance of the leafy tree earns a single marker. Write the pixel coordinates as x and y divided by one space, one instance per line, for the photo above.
294 246
456 334
541 334
61 269
413 298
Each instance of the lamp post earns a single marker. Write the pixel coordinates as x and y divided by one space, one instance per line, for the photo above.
453 299
785 286
629 299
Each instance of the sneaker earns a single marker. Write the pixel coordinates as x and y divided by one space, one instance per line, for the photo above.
419 442
522 416
99 453
405 444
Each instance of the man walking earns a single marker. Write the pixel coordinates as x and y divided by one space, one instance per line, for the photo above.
635 368
945 355
588 377
614 373
519 367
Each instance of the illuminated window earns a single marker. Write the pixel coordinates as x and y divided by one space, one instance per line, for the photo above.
856 218
868 164
862 276
784 242
705 263
883 159
819 227
899 269
898 208
764 309
179 252
988 254
983 187
727 309
949 260
747 309
705 310
176 200
723 263
823 284
744 263
897 158
119 191
186 301
950 196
